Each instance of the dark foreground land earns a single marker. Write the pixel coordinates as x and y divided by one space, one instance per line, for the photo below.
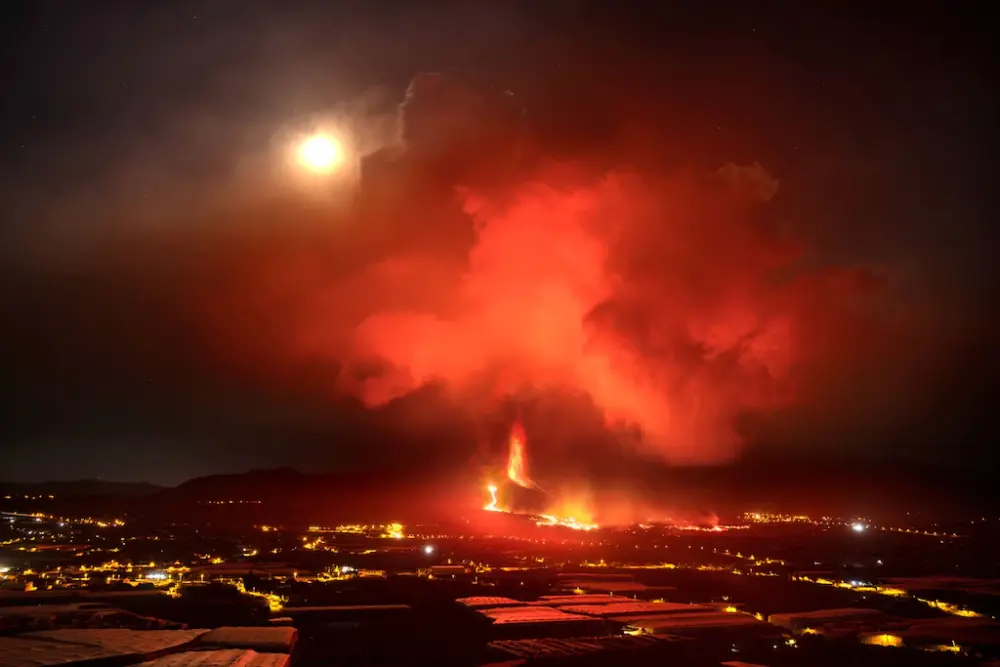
766 590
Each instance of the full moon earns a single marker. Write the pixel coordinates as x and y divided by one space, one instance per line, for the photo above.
320 153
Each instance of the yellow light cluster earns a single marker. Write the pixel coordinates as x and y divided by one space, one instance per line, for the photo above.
391 530
946 607
753 560
767 517
949 608
883 639
229 502
86 521
395 531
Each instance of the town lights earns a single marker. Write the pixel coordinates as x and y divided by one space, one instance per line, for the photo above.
858 527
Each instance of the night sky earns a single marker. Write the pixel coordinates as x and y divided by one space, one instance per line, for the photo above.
146 198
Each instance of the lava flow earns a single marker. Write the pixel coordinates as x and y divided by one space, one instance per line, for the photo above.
492 506
517 472
568 522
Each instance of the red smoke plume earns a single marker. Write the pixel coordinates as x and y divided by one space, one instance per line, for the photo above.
666 303
674 304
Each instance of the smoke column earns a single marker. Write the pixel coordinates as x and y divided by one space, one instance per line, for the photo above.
673 304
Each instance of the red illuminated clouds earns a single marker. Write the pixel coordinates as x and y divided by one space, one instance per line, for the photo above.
673 304
665 306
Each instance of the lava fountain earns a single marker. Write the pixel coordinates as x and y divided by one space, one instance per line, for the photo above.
517 459
517 473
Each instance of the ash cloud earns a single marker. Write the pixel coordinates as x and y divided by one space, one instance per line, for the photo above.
148 269
666 302
671 303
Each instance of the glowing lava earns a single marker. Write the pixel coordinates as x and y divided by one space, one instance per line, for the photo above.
568 522
492 506
517 472
517 459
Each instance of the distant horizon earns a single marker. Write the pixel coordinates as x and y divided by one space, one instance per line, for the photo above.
842 488
910 463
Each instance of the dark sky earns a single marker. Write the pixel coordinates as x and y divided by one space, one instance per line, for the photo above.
142 161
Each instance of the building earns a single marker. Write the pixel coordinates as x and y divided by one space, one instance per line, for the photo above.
446 571
583 598
631 609
526 622
712 624
811 620
609 584
488 602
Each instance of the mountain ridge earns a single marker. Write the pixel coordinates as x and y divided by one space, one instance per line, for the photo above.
859 486
80 487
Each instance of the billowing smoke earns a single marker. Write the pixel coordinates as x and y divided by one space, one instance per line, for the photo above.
673 304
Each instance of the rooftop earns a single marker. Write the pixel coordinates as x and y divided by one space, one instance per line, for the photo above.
55 647
615 586
346 608
825 614
678 623
487 601
563 600
534 649
719 618
636 608
510 615
977 631
965 584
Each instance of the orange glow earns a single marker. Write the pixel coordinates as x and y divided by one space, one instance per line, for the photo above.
542 519
567 522
667 302
517 472
492 506
883 639
517 459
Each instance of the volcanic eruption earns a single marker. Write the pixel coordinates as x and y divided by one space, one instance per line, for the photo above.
521 495
669 305
517 461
